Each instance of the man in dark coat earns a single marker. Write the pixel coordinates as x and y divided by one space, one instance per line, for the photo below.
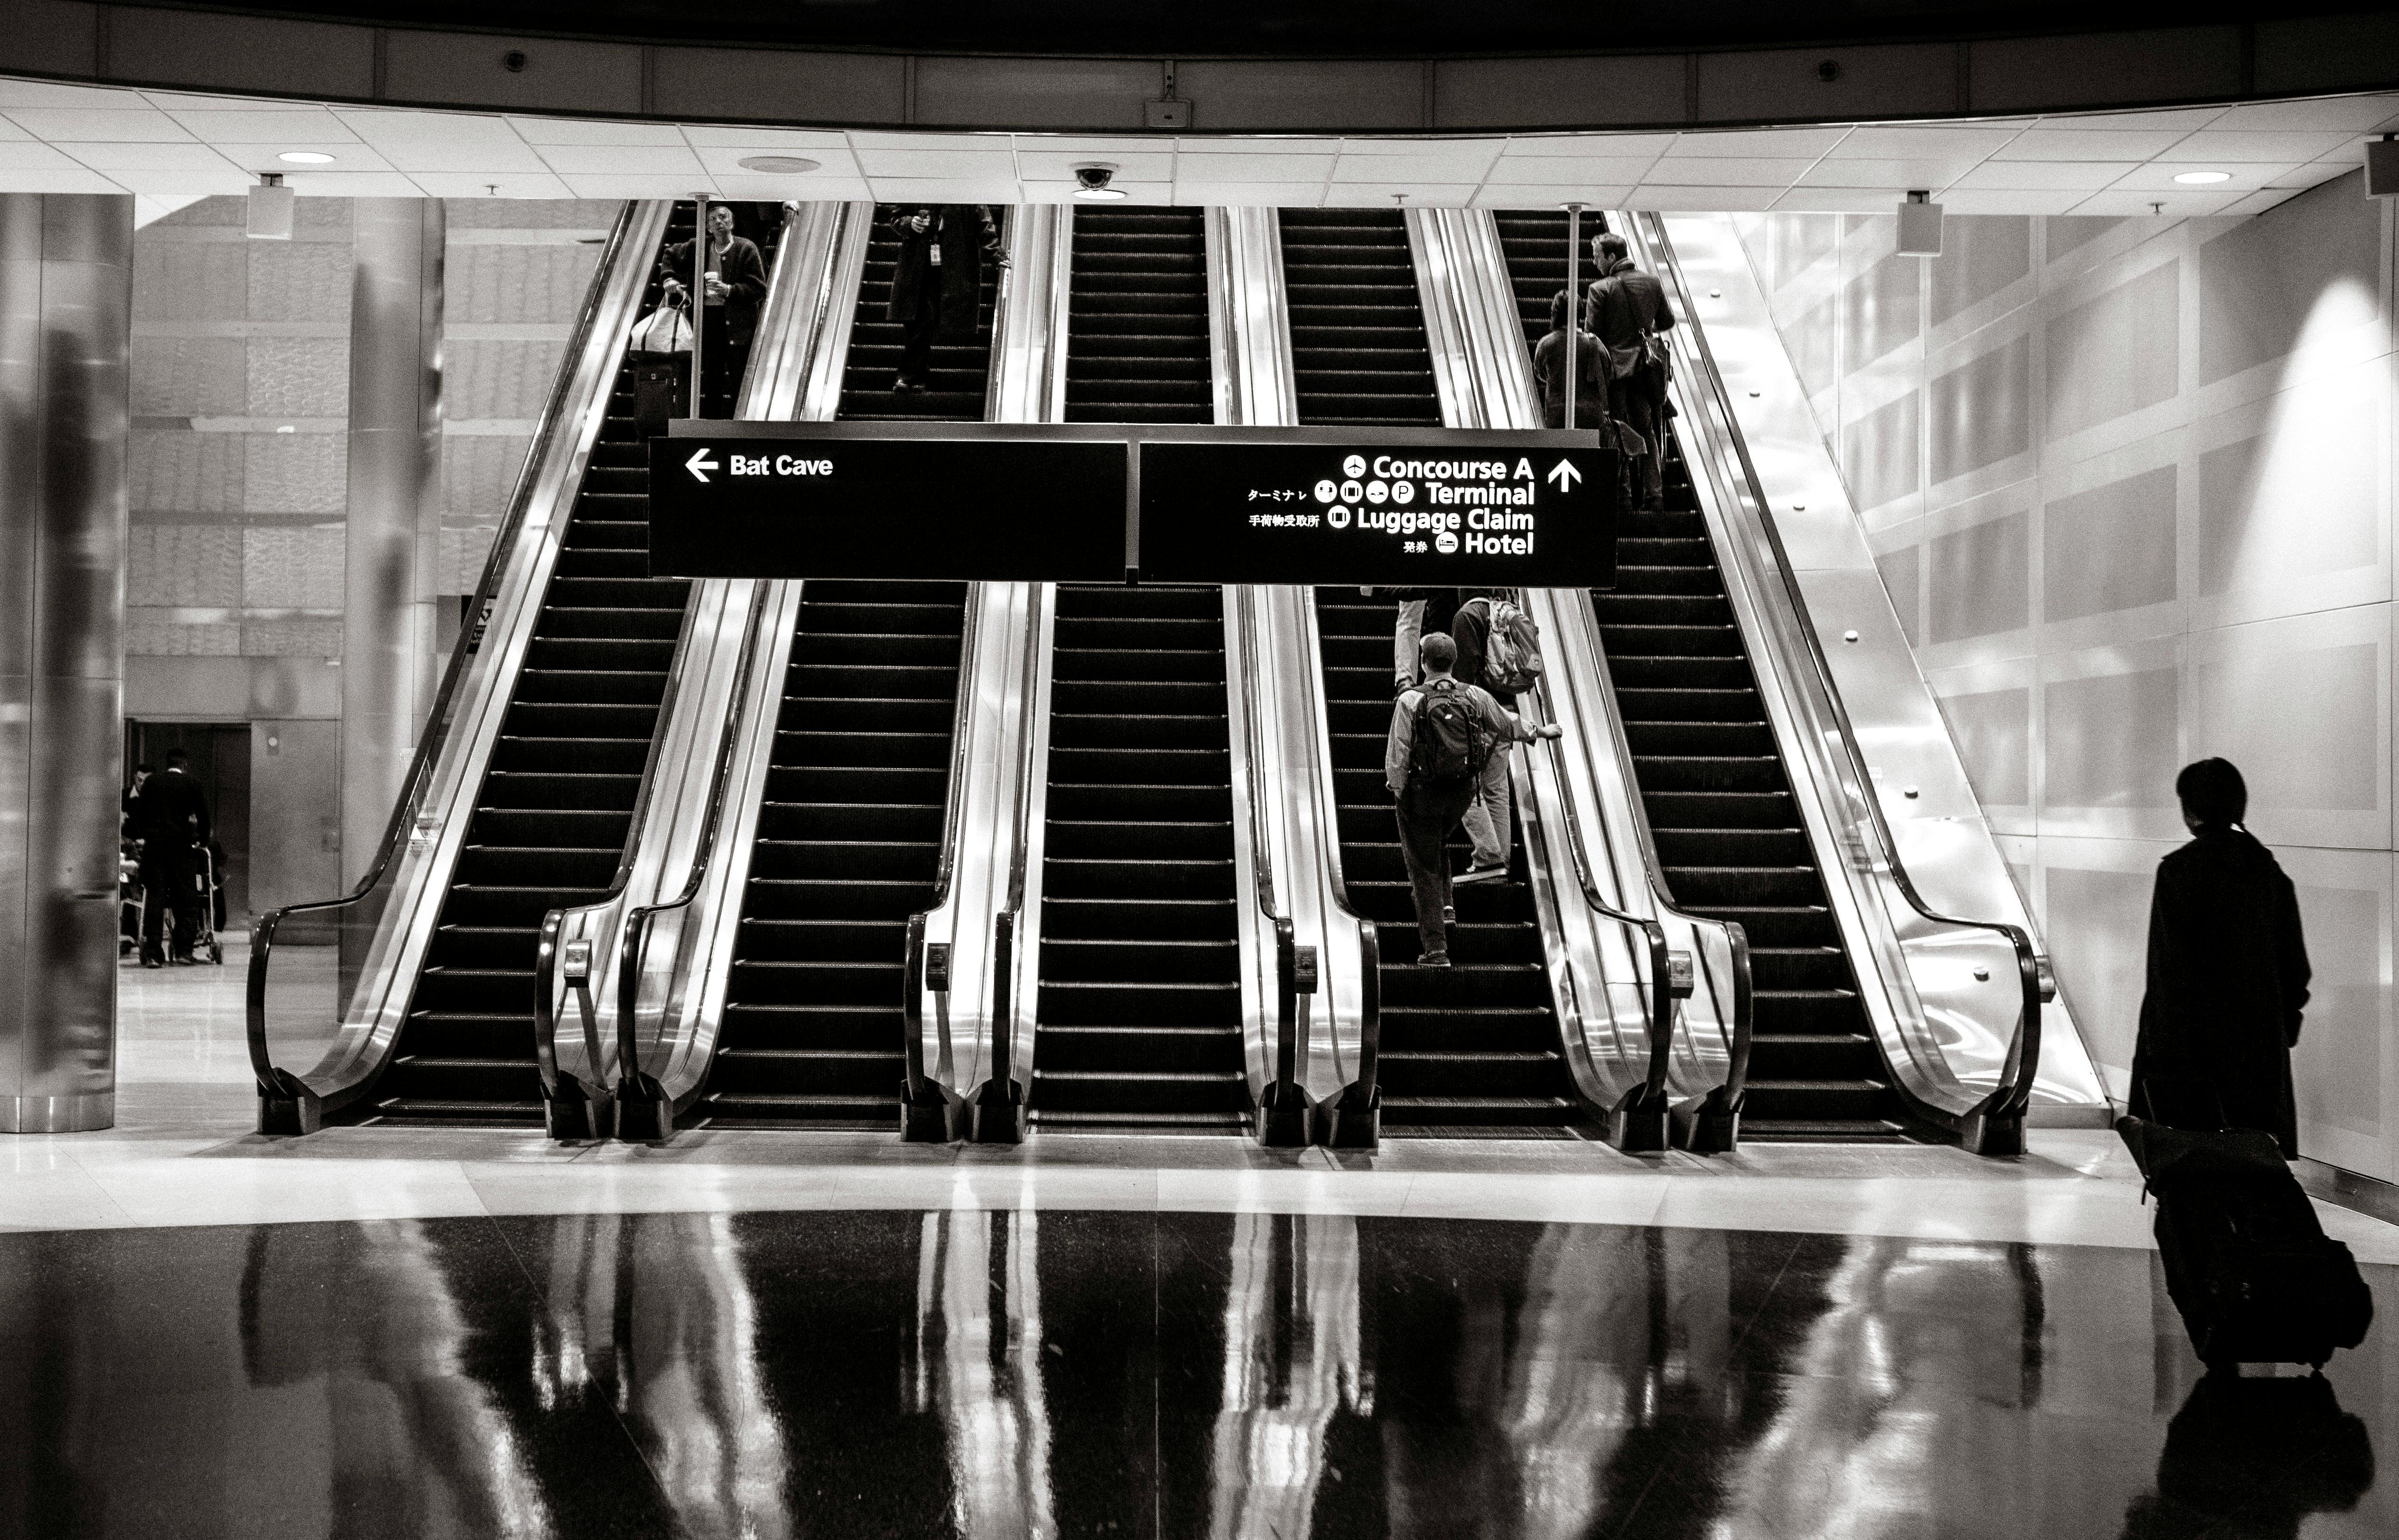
1628 307
937 287
170 817
2228 973
736 285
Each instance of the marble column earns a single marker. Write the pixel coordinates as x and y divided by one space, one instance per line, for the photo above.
66 306
389 630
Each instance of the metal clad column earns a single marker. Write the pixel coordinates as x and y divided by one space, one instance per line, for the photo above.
66 303
388 674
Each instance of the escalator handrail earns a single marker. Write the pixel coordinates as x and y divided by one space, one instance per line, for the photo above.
638 920
1652 870
438 721
1004 923
953 820
1286 1074
1336 880
2014 1091
1661 1002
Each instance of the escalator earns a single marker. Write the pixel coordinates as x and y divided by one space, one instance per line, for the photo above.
557 800
1138 325
1473 1048
1358 346
1139 1013
1718 792
961 366
849 830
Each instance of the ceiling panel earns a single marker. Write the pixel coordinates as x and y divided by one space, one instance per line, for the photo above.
1517 195
1902 174
1249 194
1533 171
1254 167
719 135
576 130
1059 165
150 157
1881 142
2043 175
2356 114
980 162
1637 146
1974 200
74 179
833 160
2182 202
675 160
357 184
943 189
2255 146
1670 172
27 156
313 125
207 184
1372 194
1757 143
2050 143
492 185
2240 177
812 188
98 126
1149 193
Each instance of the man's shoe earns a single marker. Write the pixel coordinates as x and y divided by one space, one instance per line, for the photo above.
1448 915
148 961
907 387
1479 874
1434 959
184 959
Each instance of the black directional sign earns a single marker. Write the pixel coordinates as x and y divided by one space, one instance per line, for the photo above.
987 510
1442 515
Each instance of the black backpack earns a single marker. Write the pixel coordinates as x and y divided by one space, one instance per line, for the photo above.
1450 743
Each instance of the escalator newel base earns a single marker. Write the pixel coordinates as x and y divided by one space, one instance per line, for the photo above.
1703 1127
1286 1116
1998 1137
1352 1120
1641 1124
645 1113
578 1113
289 1114
995 1112
937 1116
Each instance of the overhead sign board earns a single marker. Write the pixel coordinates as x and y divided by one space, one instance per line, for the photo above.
986 510
1415 515
1401 508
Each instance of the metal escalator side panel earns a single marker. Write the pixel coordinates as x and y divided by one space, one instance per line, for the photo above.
795 366
1944 1003
371 1027
1029 321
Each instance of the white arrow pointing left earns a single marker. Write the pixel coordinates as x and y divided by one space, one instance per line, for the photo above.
699 466
1564 474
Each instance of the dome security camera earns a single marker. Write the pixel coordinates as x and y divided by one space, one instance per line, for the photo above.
1093 180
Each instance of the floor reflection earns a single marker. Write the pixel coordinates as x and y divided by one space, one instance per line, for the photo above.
1236 1377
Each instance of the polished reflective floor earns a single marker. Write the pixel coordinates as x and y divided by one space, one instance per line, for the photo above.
1002 1373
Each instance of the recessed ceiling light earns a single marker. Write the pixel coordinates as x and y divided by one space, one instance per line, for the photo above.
306 158
779 166
2195 179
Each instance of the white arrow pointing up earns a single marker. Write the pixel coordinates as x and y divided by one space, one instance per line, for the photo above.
1564 474
699 466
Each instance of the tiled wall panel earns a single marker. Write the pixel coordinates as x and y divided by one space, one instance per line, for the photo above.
2201 564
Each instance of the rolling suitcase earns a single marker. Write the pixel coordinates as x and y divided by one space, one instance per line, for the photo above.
661 391
2253 1274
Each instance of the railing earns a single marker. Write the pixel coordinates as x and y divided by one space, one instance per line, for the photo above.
930 1102
1351 1119
1993 1123
643 1109
1285 1117
995 1108
1713 1126
288 1104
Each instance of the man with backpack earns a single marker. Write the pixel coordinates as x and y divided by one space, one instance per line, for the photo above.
1498 649
1444 734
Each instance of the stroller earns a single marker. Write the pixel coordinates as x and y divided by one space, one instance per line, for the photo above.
212 916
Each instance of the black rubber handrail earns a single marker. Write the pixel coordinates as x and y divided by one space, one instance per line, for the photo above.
2017 1073
998 1088
546 963
1286 1091
275 1083
1726 1098
912 974
635 1086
